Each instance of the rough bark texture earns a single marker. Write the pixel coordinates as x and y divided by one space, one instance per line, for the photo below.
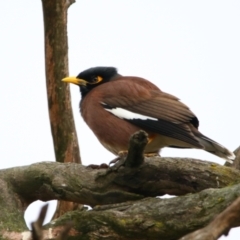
153 218
155 177
122 209
221 225
59 100
149 218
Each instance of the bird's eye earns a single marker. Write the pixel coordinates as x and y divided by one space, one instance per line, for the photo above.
97 79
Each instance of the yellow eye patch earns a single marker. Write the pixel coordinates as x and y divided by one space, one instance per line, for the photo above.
97 79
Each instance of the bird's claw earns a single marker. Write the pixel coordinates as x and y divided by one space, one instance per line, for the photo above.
118 161
101 166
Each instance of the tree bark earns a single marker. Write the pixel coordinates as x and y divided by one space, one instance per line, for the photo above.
221 225
126 212
123 208
150 218
59 100
155 177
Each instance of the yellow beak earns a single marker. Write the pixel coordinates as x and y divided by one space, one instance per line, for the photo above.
75 80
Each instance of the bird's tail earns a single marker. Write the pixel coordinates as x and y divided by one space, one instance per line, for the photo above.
216 148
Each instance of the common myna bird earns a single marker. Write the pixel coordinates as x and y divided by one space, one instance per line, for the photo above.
116 106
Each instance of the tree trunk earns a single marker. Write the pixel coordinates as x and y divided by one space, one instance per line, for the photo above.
59 100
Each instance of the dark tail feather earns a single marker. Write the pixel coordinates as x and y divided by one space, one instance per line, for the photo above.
216 148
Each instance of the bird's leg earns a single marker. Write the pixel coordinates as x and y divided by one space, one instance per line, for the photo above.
152 154
119 161
121 154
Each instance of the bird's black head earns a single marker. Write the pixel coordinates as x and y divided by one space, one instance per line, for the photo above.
92 77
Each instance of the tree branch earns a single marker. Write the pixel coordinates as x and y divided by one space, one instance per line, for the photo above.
226 220
155 177
152 218
155 217
37 225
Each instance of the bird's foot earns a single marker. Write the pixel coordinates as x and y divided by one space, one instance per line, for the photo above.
115 160
118 161
121 154
151 154
101 166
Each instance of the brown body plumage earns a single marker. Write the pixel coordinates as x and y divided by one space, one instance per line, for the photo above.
116 106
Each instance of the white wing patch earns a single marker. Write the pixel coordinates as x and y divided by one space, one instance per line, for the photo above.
125 114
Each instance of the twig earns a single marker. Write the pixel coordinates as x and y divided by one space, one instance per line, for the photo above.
137 143
37 233
37 227
132 158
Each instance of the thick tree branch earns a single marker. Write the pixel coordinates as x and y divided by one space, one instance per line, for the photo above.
155 177
152 218
155 217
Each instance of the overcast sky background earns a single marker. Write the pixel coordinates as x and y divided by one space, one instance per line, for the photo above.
188 48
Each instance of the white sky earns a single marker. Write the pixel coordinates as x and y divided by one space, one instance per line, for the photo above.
188 48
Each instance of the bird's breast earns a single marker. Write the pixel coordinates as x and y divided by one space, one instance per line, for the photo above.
111 131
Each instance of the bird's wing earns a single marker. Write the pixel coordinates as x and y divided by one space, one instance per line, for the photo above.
153 110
